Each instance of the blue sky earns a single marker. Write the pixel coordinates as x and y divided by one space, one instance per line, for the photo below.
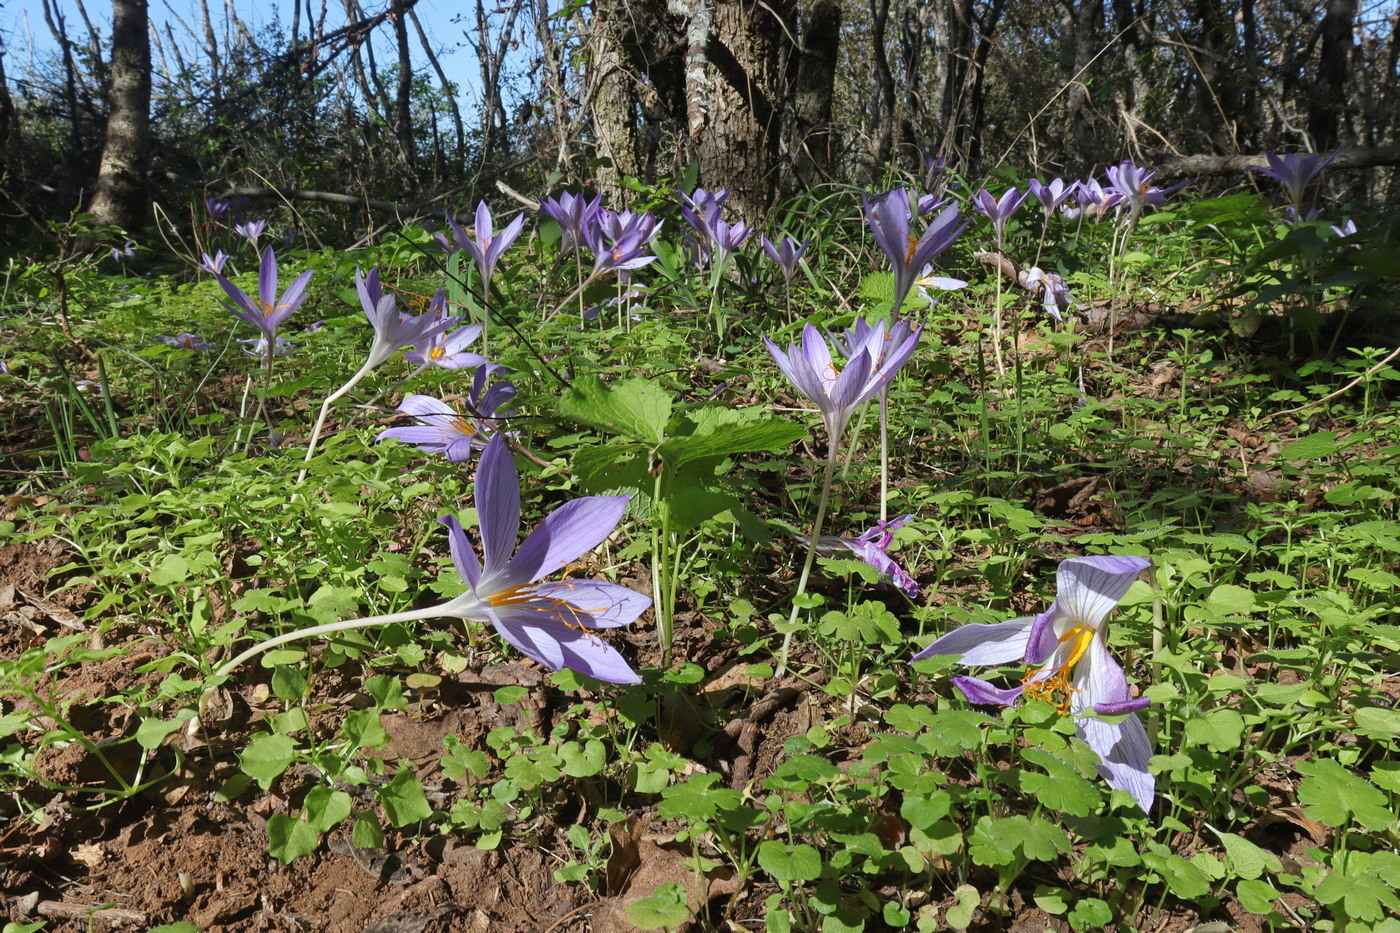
25 36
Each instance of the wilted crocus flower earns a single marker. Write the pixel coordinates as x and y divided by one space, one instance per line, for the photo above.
488 245
556 624
186 341
442 429
215 263
126 253
1067 648
393 330
873 548
872 362
574 214
787 255
1295 171
998 210
1051 195
1054 293
257 346
267 311
889 218
251 231
632 293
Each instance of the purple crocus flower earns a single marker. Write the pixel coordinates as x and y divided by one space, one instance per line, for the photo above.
728 238
873 548
213 264
1067 650
1346 229
619 241
1051 195
442 429
927 280
251 231
267 311
215 206
1094 199
787 255
872 362
632 293
999 210
1295 171
446 349
393 330
488 245
702 210
186 341
574 214
1134 185
889 218
1054 293
556 624
126 253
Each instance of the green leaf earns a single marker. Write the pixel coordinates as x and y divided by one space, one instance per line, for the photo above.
1313 447
1220 730
1378 723
959 916
1228 599
789 862
173 569
152 732
1061 788
635 408
1257 897
366 833
288 839
582 761
266 757
1247 860
666 907
1333 795
1090 913
325 808
181 926
404 801
723 431
696 799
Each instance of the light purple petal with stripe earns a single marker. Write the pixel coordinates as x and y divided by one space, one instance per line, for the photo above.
463 557
567 533
497 499
982 645
979 691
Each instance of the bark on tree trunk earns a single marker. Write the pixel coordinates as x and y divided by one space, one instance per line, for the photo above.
612 100
811 142
403 110
1327 94
122 193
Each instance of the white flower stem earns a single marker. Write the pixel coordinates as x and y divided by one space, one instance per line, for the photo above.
330 628
831 453
325 410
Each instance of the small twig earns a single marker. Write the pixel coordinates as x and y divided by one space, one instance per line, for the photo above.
1343 390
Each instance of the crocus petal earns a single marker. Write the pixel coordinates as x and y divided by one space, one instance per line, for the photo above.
430 440
981 645
979 691
427 408
608 604
463 557
459 449
1100 683
497 500
1090 587
1124 752
556 645
566 534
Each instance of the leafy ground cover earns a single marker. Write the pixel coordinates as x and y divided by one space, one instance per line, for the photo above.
1215 400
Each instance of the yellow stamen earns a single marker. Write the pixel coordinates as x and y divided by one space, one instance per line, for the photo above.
526 597
1055 688
436 353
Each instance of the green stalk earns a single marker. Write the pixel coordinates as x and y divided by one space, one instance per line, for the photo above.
831 453
325 410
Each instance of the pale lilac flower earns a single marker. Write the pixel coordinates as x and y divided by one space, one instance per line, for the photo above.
999 210
186 341
1347 229
1134 186
1292 219
787 255
556 624
632 293
393 330
215 263
442 429
1054 293
872 362
1070 667
267 311
1094 199
873 548
1051 195
251 231
448 349
487 245
728 238
215 206
619 241
257 347
125 253
889 218
574 214
927 280
702 210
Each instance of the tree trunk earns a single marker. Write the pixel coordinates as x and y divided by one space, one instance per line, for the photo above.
882 119
403 99
1326 96
612 101
812 143
122 194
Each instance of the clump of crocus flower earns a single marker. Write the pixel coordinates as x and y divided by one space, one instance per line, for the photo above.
889 216
558 624
1066 650
185 341
873 547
